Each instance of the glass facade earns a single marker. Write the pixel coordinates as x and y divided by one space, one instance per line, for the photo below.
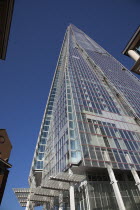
92 109
84 116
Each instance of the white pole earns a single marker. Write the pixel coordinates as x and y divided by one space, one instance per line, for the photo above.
133 171
84 187
115 188
87 195
72 199
83 199
30 205
45 206
136 177
71 191
114 183
51 203
33 205
27 205
61 200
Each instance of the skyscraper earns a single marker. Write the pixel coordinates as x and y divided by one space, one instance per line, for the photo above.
89 140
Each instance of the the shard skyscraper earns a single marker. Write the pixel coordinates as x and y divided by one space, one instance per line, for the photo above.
87 155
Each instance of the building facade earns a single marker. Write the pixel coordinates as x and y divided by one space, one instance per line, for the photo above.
89 140
6 11
132 50
5 150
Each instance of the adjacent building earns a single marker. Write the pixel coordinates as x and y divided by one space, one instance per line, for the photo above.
88 151
132 50
5 150
6 11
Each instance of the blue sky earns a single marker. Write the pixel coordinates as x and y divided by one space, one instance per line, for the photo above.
36 36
